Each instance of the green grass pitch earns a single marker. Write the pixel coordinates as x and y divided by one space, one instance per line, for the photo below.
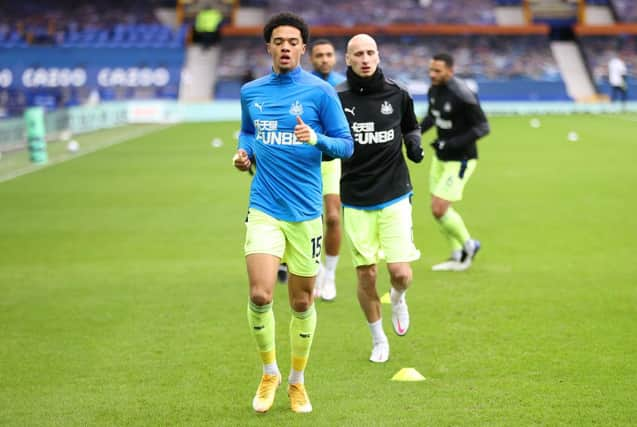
123 290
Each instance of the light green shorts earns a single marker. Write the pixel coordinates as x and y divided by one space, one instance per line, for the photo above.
380 234
331 173
447 179
297 243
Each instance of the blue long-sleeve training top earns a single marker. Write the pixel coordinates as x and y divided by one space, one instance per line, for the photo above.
287 184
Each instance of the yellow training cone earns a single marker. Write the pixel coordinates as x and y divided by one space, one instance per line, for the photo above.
408 374
385 299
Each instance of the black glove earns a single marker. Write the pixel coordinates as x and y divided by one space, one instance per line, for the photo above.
438 144
415 153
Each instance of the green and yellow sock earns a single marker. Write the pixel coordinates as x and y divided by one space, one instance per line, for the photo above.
456 246
261 321
302 327
455 230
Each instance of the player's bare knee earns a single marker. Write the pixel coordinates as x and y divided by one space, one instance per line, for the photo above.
367 274
401 279
332 220
439 207
260 297
301 303
438 211
401 276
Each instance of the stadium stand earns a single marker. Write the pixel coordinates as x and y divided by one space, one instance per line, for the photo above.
626 10
509 2
59 55
601 48
512 67
87 25
385 12
71 52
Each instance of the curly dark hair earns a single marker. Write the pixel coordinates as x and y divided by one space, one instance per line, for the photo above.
286 18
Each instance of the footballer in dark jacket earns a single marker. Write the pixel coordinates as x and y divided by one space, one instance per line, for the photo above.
375 185
460 122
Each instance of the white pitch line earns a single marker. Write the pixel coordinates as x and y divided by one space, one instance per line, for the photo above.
70 156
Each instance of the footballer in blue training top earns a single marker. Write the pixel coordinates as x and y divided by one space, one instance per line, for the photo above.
287 184
289 119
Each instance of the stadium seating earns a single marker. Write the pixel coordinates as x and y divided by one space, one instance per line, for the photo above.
626 10
509 2
383 12
598 50
512 67
11 38
56 55
90 25
503 66
151 35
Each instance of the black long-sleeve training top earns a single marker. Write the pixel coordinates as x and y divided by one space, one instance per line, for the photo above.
459 120
381 115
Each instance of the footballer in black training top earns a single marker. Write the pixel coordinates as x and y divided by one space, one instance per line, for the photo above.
460 122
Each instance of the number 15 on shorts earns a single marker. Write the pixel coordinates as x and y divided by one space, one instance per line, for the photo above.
316 247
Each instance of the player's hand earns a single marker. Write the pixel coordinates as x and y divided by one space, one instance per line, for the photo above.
438 144
241 160
304 133
415 153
